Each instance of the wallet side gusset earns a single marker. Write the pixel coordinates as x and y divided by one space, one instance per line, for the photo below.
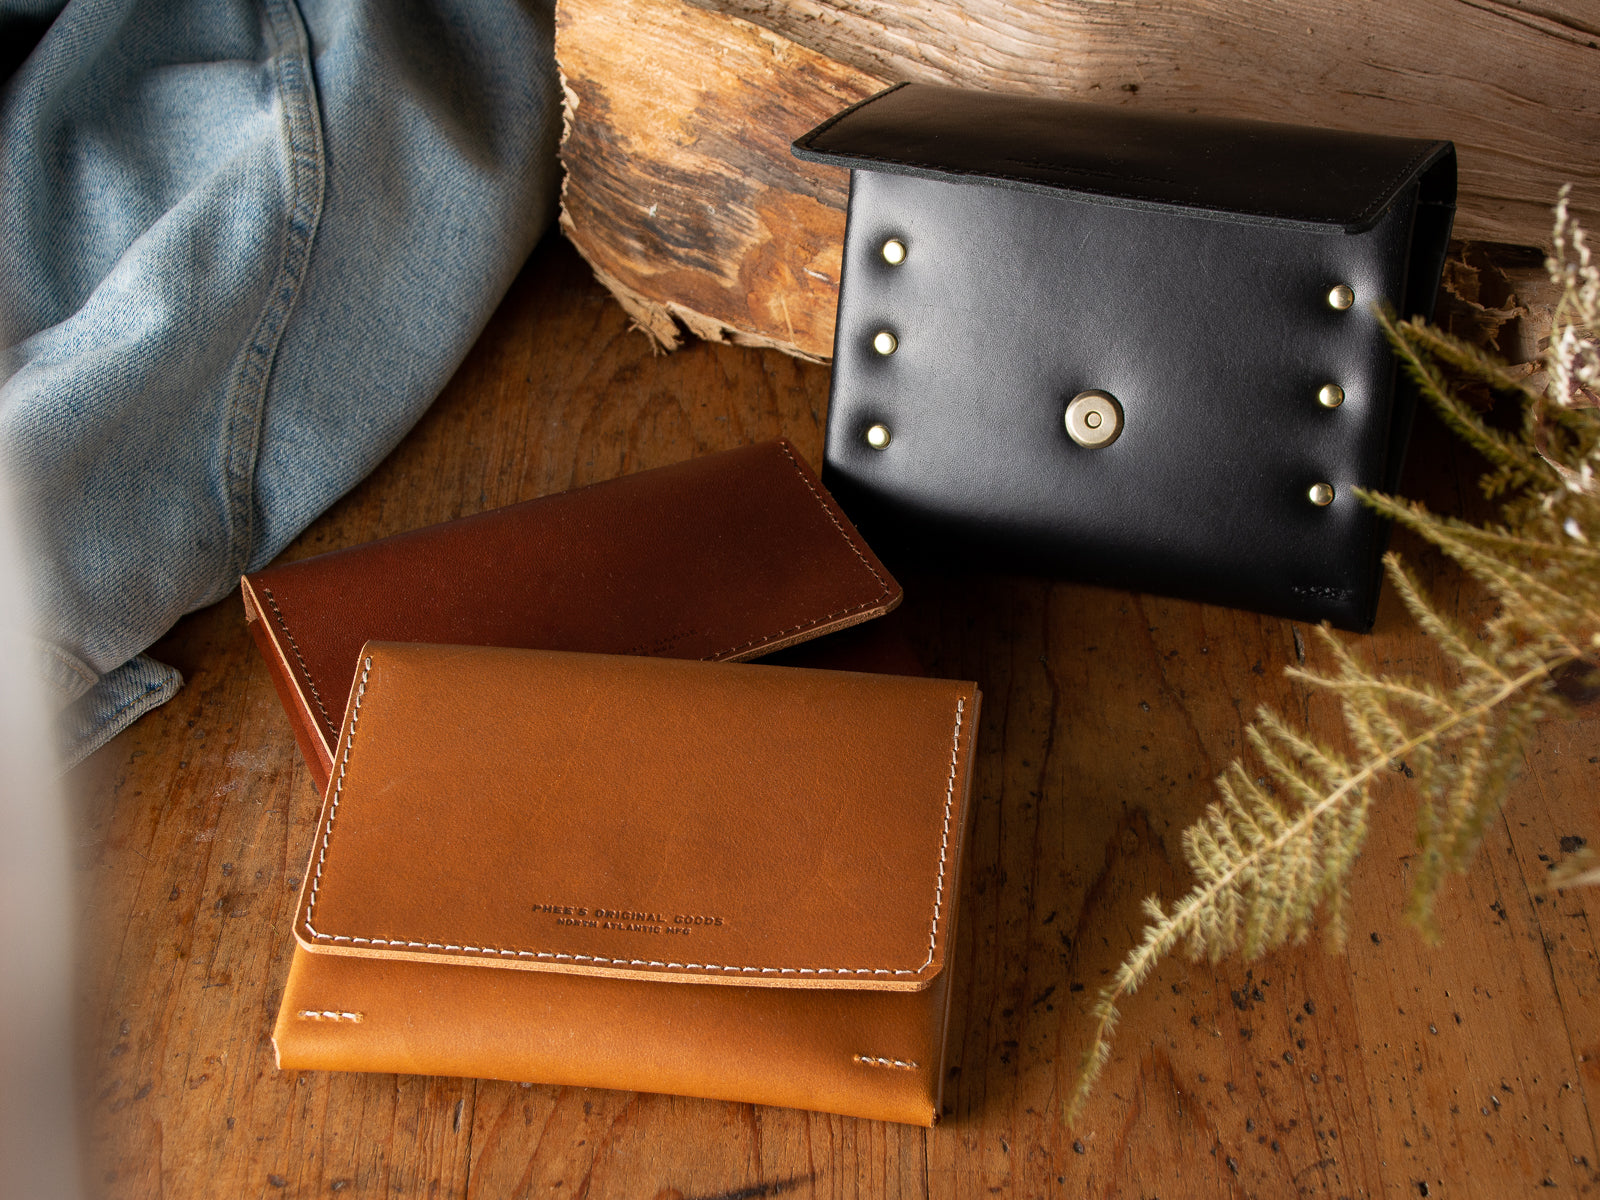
290 682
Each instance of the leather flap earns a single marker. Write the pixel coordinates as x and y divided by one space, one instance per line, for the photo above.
1255 171
644 818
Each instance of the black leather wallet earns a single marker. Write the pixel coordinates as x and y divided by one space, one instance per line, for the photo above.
1128 347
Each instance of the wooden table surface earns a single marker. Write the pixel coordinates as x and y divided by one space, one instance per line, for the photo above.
1387 1069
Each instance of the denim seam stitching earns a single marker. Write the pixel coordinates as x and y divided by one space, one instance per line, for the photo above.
103 730
302 143
131 701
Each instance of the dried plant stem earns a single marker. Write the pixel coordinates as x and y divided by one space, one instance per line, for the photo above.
1181 922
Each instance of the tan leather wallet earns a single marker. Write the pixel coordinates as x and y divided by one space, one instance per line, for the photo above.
730 881
727 557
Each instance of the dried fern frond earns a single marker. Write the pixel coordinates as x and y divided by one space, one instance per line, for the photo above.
1423 352
1264 866
1264 870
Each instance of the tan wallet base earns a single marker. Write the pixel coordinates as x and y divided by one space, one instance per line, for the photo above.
718 880
859 1053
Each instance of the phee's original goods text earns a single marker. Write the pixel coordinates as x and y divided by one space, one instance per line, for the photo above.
626 920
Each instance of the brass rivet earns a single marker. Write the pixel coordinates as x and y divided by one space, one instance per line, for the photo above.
885 343
1341 297
1093 419
894 252
1321 494
878 436
1330 395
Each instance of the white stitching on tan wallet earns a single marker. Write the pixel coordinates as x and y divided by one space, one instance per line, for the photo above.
497 952
899 1064
338 792
327 1014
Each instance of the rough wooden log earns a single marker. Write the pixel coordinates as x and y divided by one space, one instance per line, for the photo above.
682 194
680 189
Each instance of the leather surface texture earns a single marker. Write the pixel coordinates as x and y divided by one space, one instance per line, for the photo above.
1182 265
723 557
734 881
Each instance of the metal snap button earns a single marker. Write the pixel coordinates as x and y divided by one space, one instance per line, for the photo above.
1341 297
878 436
1093 419
885 343
1321 494
1330 395
894 252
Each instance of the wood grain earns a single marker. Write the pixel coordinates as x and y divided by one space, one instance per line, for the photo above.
682 194
1515 86
1469 1067
680 189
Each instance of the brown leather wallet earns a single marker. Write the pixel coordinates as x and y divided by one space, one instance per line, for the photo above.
723 557
730 881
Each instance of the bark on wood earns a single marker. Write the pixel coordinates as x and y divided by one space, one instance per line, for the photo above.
683 196
680 188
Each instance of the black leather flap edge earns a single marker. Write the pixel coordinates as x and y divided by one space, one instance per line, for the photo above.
1324 180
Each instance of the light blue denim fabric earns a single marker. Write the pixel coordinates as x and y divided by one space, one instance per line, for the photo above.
243 244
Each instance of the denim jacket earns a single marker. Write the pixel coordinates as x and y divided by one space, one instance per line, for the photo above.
243 244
